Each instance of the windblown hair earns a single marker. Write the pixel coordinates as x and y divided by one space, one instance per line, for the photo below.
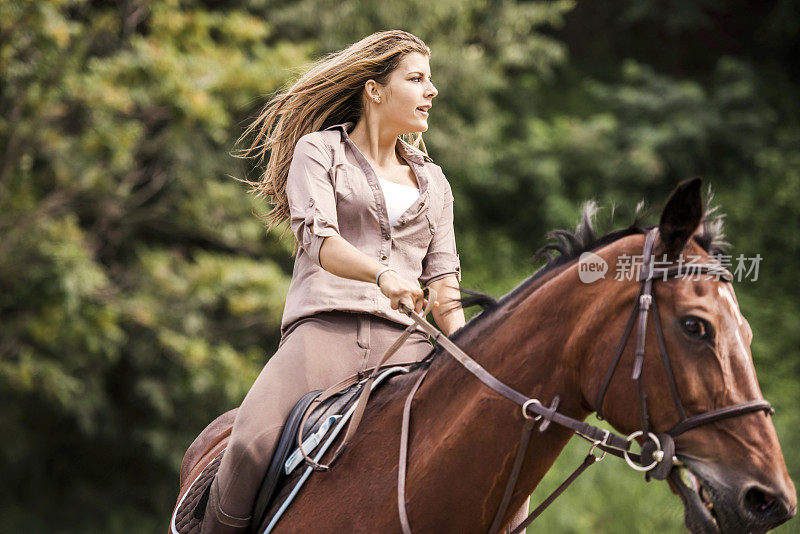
331 91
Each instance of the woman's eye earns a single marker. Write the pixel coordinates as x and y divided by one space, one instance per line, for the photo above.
696 327
416 78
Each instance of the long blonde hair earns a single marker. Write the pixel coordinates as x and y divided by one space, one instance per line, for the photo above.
329 92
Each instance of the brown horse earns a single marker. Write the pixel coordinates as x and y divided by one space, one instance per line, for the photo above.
555 335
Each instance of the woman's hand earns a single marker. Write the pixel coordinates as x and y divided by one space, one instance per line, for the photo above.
401 291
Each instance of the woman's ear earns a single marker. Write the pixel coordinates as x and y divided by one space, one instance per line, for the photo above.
372 91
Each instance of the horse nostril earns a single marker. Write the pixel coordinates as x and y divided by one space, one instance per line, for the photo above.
765 509
758 502
761 510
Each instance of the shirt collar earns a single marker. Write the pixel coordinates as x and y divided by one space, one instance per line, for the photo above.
407 150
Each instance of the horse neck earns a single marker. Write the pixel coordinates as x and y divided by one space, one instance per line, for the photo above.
468 432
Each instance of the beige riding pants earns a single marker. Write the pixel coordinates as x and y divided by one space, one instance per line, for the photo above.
315 352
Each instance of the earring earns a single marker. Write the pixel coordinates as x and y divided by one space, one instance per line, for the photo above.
377 99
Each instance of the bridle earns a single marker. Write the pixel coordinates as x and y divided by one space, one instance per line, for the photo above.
664 443
657 450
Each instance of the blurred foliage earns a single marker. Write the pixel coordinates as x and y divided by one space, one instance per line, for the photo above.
139 297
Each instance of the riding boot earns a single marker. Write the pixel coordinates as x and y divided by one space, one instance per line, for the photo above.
216 521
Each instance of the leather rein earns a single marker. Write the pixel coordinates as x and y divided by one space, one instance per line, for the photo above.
657 449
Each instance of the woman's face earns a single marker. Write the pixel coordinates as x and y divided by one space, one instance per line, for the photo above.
406 98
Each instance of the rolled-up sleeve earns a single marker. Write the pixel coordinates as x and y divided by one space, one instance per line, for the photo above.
312 201
442 259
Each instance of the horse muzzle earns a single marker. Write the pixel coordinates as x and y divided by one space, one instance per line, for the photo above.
714 505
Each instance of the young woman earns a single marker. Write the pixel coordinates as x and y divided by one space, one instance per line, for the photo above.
373 219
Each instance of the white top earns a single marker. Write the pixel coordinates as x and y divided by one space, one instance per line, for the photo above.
398 198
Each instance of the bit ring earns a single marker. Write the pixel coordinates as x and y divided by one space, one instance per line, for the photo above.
641 468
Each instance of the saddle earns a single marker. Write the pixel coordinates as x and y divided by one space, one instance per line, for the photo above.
287 471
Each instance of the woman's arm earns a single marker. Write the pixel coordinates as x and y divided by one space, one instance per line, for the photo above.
339 257
315 224
441 268
449 314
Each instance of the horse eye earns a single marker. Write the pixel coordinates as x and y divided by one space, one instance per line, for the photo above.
696 327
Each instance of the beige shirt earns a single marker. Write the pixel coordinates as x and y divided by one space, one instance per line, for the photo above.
332 190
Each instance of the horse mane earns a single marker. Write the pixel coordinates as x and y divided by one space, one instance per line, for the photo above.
567 246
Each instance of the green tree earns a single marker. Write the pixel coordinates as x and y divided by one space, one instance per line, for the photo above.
139 296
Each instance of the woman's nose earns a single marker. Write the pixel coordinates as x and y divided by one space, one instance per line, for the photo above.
432 91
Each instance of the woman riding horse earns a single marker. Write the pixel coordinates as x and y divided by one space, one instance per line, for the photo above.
373 218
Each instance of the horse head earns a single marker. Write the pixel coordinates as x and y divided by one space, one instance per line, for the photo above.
728 469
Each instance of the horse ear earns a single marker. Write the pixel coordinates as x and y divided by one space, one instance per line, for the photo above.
681 216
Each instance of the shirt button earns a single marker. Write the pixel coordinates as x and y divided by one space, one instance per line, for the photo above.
387 237
421 203
310 202
402 222
383 257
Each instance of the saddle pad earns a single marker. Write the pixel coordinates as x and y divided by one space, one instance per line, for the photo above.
188 515
339 404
